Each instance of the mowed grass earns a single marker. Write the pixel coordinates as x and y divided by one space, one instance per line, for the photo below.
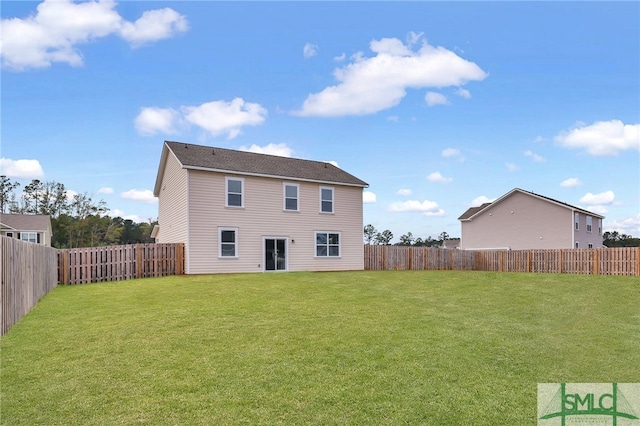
346 348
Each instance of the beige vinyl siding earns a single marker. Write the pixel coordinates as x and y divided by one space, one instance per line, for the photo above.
518 222
172 204
263 216
582 236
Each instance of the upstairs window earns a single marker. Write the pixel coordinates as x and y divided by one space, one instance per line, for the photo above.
599 226
235 190
291 191
326 199
577 221
327 244
589 223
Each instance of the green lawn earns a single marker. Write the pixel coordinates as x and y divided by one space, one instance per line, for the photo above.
359 348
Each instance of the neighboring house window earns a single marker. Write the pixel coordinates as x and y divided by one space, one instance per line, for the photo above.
228 242
291 191
577 245
235 190
10 234
589 223
31 237
577 220
327 244
599 226
326 199
590 245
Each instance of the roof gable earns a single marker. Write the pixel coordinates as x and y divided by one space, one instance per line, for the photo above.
200 157
475 211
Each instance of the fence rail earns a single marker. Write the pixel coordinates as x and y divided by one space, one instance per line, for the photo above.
29 272
116 263
604 261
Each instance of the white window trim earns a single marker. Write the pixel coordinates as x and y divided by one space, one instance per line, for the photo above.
333 200
284 196
226 192
34 234
315 244
599 226
589 224
220 230
576 220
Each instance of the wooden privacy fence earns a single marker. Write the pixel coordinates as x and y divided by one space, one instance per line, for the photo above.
115 263
29 271
602 261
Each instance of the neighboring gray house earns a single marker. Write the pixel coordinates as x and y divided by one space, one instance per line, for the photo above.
34 228
245 212
524 220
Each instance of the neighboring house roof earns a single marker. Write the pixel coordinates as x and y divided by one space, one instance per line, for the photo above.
474 211
26 222
452 243
209 158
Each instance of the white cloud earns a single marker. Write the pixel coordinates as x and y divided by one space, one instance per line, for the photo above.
437 177
628 226
571 183
340 57
310 50
70 194
55 31
536 158
463 93
154 25
603 198
152 120
105 190
434 98
426 207
602 210
133 217
404 192
368 197
450 152
478 201
511 167
335 163
368 85
220 117
279 149
141 195
602 137
21 169
215 117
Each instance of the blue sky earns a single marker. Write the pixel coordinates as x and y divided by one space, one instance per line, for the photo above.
439 106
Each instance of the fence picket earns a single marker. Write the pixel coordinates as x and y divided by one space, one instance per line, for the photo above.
603 261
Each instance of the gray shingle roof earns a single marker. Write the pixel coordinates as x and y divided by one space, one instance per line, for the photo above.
26 222
229 160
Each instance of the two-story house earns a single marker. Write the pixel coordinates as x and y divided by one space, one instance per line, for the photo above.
523 220
240 211
33 228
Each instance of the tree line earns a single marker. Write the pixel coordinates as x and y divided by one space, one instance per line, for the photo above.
373 237
76 221
615 239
